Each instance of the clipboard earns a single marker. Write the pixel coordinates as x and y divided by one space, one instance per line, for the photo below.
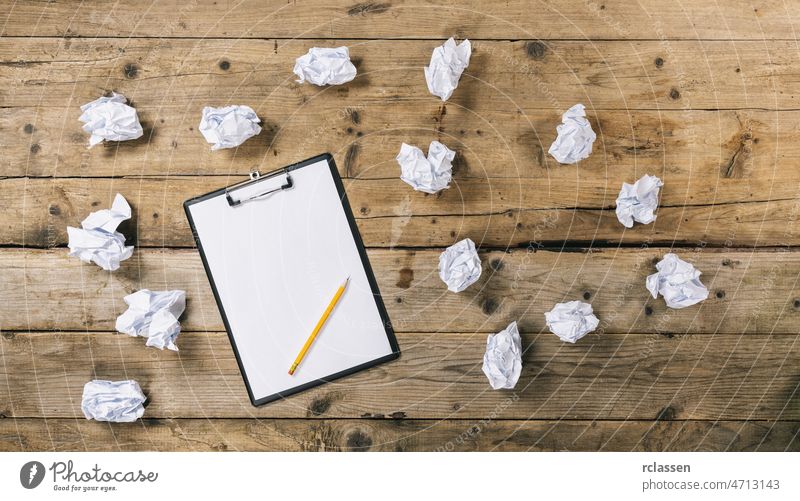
275 249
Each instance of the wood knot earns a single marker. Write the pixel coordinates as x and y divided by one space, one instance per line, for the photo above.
35 148
350 159
668 413
587 295
405 278
797 304
535 50
648 310
496 264
720 294
659 62
54 210
489 305
130 70
366 8
9 335
358 441
320 406
674 94
397 415
355 117
28 128
224 65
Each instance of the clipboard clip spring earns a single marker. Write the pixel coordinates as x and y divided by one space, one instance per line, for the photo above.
255 177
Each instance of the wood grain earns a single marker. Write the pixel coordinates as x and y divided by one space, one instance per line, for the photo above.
701 94
405 19
495 213
606 376
751 291
621 75
191 435
715 150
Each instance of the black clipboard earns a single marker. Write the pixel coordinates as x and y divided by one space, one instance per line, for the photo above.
287 183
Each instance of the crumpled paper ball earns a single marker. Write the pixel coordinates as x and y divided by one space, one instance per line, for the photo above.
638 201
110 119
460 265
502 362
322 66
448 62
575 137
678 281
113 401
431 174
97 241
572 320
154 315
228 127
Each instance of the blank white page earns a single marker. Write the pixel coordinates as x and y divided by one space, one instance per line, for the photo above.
276 263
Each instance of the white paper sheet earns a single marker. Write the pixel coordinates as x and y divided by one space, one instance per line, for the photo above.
229 126
154 315
575 137
431 174
572 320
638 201
502 362
113 401
110 119
448 62
97 241
678 281
460 265
322 66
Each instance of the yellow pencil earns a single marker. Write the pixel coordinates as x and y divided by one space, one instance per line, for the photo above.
321 322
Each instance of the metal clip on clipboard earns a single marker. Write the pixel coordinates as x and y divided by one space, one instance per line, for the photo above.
256 177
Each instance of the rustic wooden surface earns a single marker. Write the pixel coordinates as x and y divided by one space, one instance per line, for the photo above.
702 94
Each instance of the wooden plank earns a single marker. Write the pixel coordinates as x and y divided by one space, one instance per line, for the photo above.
404 19
495 212
713 149
189 74
191 435
609 376
751 291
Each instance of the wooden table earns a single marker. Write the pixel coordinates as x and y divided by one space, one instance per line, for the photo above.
704 95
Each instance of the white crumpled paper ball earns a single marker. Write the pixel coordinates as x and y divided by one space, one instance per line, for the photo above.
638 201
571 321
678 281
460 265
97 240
448 62
322 66
431 174
502 362
575 137
154 315
229 126
113 401
110 119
